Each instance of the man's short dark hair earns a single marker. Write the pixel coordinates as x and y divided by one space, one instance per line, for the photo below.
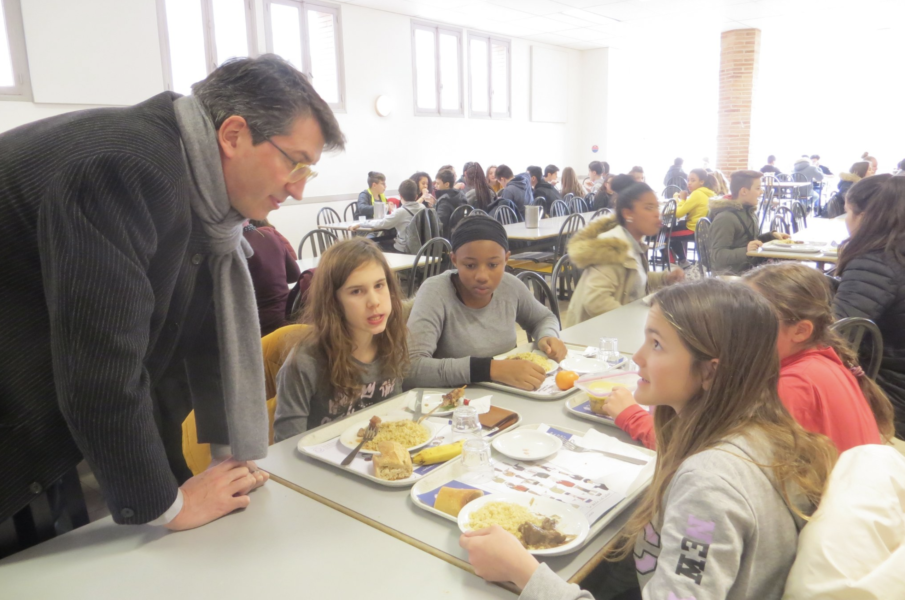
535 172
813 156
504 172
678 162
446 176
742 180
408 189
270 94
596 167
550 170
771 159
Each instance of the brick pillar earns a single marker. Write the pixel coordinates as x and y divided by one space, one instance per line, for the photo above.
739 52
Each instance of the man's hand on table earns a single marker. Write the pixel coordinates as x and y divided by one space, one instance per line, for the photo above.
754 245
216 492
552 347
781 236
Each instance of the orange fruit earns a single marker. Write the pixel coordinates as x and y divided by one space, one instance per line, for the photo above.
565 380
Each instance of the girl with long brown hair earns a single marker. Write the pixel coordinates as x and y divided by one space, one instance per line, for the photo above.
735 477
353 353
570 183
479 193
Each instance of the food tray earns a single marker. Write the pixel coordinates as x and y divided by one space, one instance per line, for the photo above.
454 469
579 406
804 248
317 439
527 347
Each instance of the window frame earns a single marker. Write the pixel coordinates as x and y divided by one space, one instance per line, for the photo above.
15 33
304 7
490 40
210 40
437 29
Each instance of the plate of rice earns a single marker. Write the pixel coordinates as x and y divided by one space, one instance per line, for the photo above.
537 357
512 510
397 428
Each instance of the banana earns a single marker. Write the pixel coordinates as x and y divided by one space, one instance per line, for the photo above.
438 454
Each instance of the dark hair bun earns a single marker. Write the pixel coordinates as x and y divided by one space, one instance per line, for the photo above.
622 182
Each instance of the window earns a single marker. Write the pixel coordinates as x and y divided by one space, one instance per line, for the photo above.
308 35
437 62
14 82
488 76
199 35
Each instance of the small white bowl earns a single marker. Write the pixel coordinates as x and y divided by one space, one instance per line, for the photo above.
527 444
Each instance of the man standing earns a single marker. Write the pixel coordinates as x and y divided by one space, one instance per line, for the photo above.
125 298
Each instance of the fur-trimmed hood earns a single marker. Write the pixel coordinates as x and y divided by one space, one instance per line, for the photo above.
602 242
718 205
844 176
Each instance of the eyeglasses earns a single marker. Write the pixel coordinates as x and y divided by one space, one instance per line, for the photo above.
300 171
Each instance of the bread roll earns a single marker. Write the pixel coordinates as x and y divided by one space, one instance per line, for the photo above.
393 463
451 500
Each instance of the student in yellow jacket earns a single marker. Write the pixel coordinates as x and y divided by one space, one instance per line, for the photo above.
614 257
692 205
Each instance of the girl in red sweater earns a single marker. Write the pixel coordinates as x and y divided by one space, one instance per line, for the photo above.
820 381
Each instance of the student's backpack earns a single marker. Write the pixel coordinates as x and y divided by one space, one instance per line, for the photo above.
424 226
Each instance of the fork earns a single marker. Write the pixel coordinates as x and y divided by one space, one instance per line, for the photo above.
370 432
571 445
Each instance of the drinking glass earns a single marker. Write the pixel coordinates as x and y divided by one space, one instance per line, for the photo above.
476 458
609 351
362 219
465 424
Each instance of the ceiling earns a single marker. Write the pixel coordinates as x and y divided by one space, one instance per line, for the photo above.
589 24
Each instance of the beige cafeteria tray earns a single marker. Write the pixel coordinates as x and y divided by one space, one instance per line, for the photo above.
455 469
557 394
315 442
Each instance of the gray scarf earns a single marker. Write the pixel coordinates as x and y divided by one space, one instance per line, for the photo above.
238 330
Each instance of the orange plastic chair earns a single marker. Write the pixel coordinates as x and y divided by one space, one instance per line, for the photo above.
275 347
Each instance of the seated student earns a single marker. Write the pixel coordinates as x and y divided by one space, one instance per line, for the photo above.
675 172
900 168
551 176
461 184
872 270
692 205
812 173
425 188
570 183
596 173
398 220
612 253
377 185
273 269
492 182
820 382
873 164
354 353
735 228
542 189
856 173
736 475
516 189
463 318
637 173
815 162
480 195
770 167
448 199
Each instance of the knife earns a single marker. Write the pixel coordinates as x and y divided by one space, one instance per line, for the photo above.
418 402
502 423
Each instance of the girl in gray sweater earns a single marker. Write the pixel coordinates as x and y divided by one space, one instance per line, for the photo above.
735 473
462 318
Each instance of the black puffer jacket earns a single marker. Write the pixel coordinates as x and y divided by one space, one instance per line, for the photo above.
546 191
447 202
873 287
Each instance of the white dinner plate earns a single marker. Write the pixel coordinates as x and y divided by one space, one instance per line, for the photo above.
429 401
584 364
570 521
527 444
350 439
806 248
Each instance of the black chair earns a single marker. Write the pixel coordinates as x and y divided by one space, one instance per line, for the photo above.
505 215
539 201
436 251
603 212
565 278
664 237
566 231
702 243
568 198
425 226
328 216
782 220
852 330
541 292
560 208
677 181
478 213
457 216
670 191
319 240
579 205
799 217
353 209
